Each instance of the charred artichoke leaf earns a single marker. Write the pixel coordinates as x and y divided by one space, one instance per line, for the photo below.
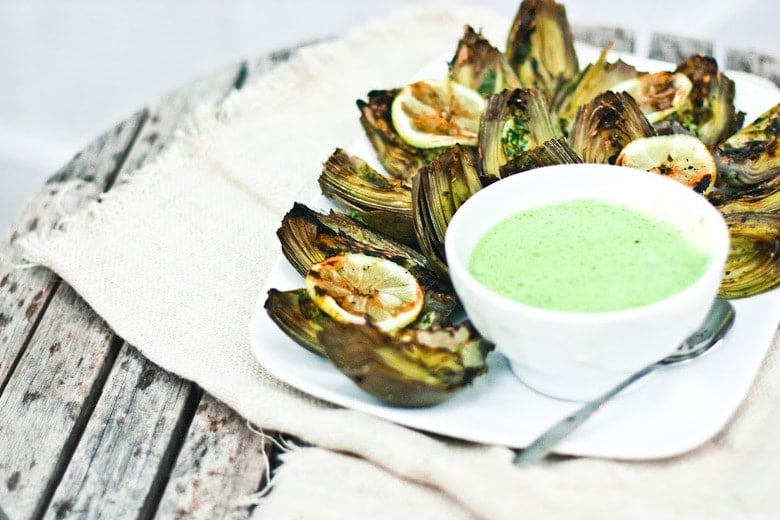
753 265
603 127
480 66
298 317
596 78
309 237
514 122
752 155
438 190
549 153
540 46
414 368
382 203
658 94
708 111
764 197
400 159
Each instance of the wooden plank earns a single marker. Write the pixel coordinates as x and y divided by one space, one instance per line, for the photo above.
622 40
49 399
221 461
674 49
24 292
755 63
123 443
93 481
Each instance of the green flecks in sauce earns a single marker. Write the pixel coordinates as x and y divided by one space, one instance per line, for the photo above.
586 256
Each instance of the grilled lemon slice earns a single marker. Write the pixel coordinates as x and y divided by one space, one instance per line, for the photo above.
682 157
360 289
434 113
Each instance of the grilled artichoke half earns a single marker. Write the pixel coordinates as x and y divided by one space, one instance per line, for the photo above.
514 122
762 198
708 111
381 203
596 78
480 66
604 126
753 265
438 190
308 237
413 368
400 159
540 46
752 155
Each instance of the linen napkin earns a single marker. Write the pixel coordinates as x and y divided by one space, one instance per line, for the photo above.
174 260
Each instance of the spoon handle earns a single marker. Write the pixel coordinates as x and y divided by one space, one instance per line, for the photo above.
544 444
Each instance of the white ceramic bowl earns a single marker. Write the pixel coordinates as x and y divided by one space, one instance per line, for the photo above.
579 355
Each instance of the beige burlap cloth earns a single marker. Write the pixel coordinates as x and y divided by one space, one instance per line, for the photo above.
174 261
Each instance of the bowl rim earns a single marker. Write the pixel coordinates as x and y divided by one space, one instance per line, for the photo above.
716 261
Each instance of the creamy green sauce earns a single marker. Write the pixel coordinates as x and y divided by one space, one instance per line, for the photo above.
586 256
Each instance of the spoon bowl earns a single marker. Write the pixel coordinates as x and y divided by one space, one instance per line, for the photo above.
717 323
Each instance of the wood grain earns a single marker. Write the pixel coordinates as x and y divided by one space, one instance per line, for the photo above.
24 292
221 462
674 49
49 399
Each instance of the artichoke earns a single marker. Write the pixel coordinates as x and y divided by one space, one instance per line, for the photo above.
480 66
381 203
762 198
514 122
752 155
658 94
438 190
603 127
309 237
753 265
708 111
540 46
298 317
412 368
400 159
597 77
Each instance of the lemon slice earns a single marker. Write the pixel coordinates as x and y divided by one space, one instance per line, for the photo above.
682 157
359 289
658 94
429 114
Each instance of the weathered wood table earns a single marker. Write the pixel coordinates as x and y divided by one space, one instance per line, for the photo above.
88 427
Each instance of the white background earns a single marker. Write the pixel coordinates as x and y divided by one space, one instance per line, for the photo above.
69 70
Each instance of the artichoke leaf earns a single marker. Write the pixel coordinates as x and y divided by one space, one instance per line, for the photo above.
549 153
298 317
399 158
753 264
382 203
764 197
752 155
540 46
413 368
480 66
603 127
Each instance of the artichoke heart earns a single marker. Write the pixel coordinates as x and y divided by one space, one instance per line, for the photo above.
383 204
413 368
752 155
514 122
399 158
753 265
540 46
480 66
438 190
708 111
603 127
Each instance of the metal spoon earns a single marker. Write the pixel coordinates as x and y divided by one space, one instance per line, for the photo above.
715 326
